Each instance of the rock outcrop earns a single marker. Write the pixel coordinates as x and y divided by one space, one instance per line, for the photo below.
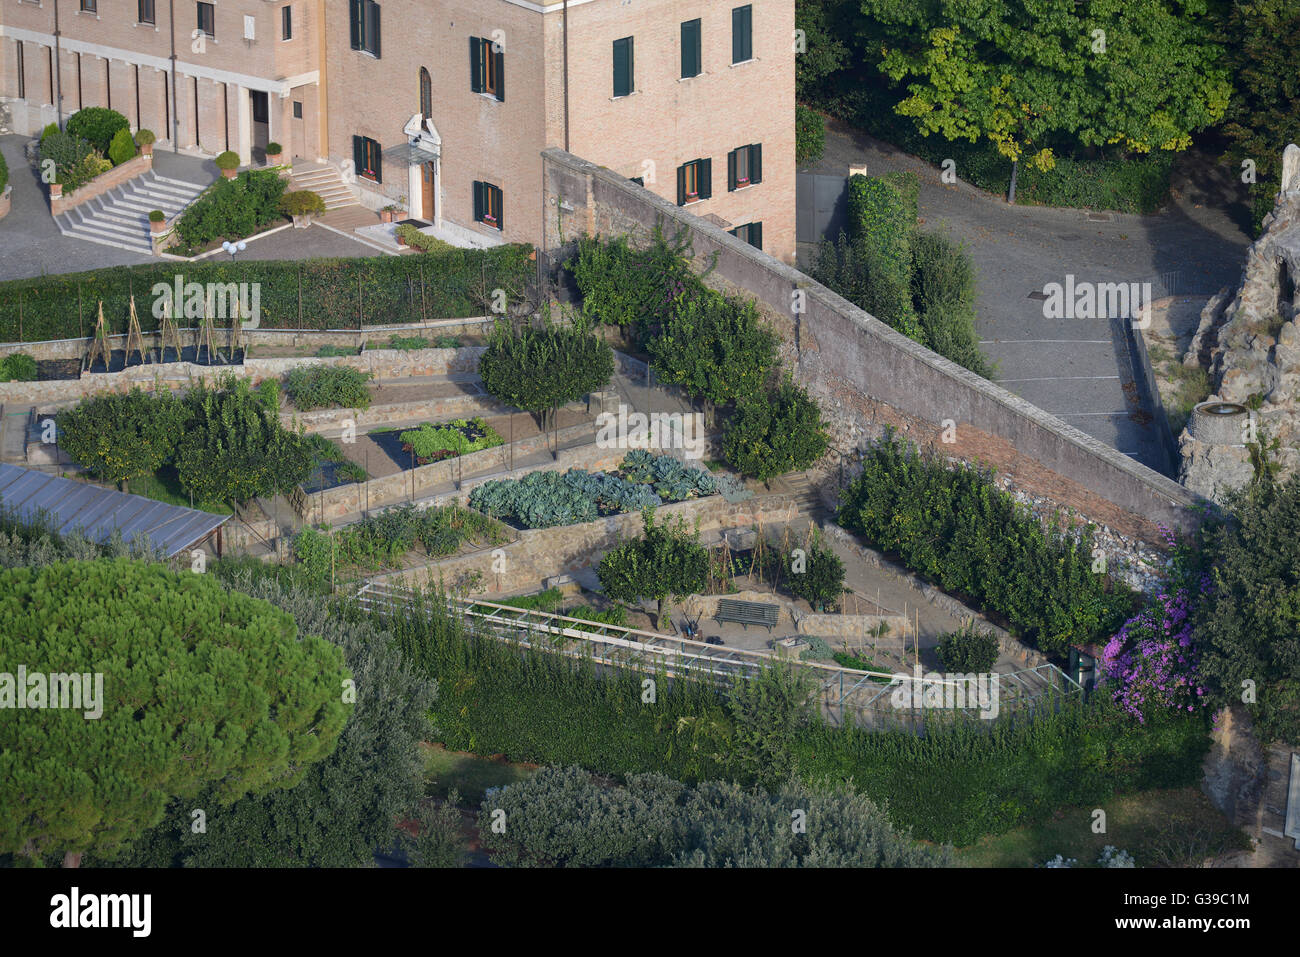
1250 345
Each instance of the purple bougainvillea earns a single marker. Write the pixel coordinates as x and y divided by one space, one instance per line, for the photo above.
1152 662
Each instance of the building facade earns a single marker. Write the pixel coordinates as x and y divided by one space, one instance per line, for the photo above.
441 107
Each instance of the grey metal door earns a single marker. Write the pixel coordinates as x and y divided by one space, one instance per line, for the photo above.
821 203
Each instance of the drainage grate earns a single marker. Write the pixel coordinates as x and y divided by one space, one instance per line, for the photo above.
1099 217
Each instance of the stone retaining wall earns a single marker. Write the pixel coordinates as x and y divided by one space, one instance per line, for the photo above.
547 552
102 183
867 376
383 363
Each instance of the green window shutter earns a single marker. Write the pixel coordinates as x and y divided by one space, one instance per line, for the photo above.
358 157
501 208
475 65
501 75
756 235
706 178
756 165
379 161
731 170
691 52
478 201
354 21
742 47
623 67
373 10
681 185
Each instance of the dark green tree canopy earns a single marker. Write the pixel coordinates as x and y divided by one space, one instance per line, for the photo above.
1248 625
775 432
666 560
540 368
202 688
123 436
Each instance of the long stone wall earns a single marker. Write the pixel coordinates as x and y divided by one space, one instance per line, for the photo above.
544 553
866 376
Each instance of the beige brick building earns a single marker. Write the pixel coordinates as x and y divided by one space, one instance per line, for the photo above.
441 106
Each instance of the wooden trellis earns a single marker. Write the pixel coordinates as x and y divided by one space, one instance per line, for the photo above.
203 337
168 334
99 342
134 339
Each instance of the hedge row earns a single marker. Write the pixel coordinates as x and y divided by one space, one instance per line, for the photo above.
308 294
882 221
959 782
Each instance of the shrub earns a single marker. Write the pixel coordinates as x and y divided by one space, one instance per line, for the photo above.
273 148
144 137
540 369
83 171
302 202
665 562
4 174
328 387
232 209
18 367
304 294
446 342
234 450
955 527
816 575
121 436
122 148
654 821
775 432
412 236
227 160
881 223
332 351
98 125
967 651
627 287
459 437
809 134
269 391
156 216
407 343
68 153
49 129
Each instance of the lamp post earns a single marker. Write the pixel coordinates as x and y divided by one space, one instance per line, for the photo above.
234 248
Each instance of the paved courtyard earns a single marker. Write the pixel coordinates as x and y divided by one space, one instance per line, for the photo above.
31 244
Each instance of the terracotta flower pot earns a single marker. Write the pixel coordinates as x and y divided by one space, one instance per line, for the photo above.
230 173
157 227
274 159
56 190
146 149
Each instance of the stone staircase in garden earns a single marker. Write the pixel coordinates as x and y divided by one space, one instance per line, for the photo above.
120 217
326 182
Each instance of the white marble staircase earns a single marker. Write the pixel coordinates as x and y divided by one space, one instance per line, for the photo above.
120 217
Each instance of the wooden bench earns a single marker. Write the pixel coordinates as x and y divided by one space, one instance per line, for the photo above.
747 613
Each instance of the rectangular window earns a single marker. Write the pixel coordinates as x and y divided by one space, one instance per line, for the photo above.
365 157
207 19
752 234
487 68
297 109
363 23
22 71
89 6
623 67
745 167
694 181
742 34
487 205
144 11
692 49
286 23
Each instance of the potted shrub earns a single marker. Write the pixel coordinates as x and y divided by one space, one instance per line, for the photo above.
301 205
228 163
388 213
274 153
145 139
157 221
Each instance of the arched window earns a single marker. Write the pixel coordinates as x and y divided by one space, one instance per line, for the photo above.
426 94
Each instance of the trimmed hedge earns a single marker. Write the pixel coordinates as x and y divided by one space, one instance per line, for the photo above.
882 223
955 527
4 173
809 134
97 125
311 294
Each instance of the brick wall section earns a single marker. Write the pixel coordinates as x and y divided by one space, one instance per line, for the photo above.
867 376
102 184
